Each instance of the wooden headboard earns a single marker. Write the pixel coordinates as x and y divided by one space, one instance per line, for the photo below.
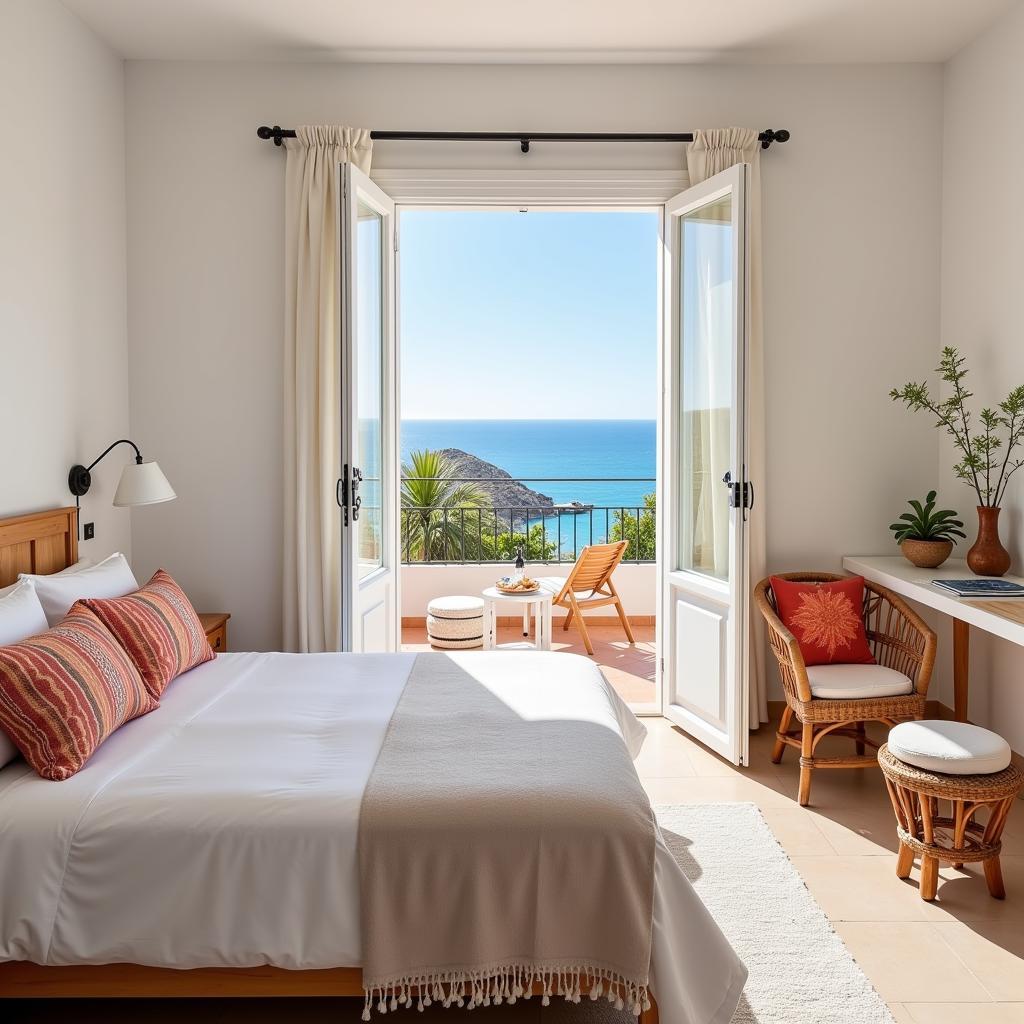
41 542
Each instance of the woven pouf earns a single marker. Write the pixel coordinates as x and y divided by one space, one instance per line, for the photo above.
455 622
978 781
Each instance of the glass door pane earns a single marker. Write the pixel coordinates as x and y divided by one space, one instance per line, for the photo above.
707 305
369 383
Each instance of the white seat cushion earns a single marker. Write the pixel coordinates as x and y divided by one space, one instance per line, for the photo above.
952 748
553 585
856 682
457 606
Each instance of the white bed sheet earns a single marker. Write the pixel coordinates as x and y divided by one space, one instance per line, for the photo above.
191 837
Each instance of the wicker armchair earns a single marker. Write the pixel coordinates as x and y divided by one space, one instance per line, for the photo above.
898 638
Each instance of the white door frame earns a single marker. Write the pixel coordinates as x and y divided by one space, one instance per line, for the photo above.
597 191
715 609
376 596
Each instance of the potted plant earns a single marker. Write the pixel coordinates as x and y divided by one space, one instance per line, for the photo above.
925 536
986 448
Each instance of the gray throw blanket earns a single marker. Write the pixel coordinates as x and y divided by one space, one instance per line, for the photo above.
505 845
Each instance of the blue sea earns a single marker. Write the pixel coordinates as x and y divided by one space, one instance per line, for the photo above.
532 449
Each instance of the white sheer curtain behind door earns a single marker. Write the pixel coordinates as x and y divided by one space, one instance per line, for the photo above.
312 382
710 152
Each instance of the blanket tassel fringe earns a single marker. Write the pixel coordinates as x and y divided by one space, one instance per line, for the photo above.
470 989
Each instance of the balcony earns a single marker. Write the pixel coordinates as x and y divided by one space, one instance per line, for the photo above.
464 549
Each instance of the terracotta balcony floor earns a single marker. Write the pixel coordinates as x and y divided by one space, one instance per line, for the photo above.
630 669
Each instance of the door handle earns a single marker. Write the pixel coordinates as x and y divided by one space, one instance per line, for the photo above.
734 489
741 495
355 502
341 494
346 493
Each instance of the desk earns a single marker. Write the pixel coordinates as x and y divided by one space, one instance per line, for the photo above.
1003 618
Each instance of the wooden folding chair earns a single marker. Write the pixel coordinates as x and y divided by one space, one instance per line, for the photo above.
589 585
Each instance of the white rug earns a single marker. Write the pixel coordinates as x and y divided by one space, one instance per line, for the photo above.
800 971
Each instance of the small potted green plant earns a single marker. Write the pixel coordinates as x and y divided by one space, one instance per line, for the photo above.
925 536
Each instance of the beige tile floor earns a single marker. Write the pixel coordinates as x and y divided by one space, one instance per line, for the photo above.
959 960
630 669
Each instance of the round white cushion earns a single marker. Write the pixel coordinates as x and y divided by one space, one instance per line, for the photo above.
457 606
456 622
855 682
952 748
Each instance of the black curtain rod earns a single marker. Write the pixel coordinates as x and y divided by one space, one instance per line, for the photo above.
277 133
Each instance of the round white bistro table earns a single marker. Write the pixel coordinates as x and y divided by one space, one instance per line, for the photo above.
538 601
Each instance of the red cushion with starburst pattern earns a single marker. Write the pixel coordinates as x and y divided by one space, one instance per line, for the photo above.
826 618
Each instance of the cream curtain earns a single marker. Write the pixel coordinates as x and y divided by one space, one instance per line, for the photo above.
711 152
312 386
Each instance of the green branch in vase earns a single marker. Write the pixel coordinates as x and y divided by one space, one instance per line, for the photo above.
987 462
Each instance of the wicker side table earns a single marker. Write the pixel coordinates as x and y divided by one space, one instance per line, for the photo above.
956 838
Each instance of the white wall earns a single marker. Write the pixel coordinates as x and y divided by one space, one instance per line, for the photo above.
63 341
982 271
851 277
637 585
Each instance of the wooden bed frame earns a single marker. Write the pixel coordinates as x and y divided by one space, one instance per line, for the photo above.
45 542
24 980
41 542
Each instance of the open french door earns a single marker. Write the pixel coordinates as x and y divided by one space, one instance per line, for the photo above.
368 482
705 492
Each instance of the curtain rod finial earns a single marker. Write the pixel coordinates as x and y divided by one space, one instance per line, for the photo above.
774 135
276 133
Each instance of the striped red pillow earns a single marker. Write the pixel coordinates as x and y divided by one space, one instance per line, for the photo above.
63 692
159 629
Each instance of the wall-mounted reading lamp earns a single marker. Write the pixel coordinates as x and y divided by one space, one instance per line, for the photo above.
142 483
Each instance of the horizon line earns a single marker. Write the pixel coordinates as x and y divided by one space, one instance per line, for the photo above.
529 419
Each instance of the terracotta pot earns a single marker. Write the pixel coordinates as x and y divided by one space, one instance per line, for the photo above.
988 557
926 554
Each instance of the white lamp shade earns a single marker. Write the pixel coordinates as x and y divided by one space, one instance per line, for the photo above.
143 483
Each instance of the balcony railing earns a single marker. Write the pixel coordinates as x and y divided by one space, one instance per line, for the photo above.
471 534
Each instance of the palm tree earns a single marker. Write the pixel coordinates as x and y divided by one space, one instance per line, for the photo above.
433 509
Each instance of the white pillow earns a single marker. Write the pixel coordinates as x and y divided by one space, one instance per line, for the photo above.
21 616
21 613
82 563
113 577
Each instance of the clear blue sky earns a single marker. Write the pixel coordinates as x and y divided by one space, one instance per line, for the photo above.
539 315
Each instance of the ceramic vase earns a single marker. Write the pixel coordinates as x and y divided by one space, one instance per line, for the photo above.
988 557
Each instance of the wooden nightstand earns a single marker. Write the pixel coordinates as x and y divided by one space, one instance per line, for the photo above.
216 626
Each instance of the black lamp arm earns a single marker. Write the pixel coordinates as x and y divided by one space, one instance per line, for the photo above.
79 478
124 440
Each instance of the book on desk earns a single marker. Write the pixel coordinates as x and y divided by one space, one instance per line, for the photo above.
981 588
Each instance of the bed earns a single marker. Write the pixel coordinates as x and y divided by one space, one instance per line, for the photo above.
136 877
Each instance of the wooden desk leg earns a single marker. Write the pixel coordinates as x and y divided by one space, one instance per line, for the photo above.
961 667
